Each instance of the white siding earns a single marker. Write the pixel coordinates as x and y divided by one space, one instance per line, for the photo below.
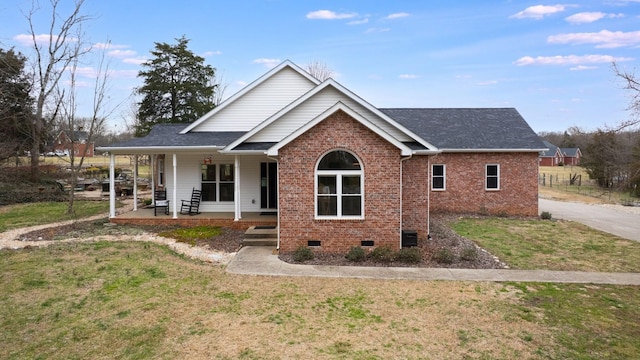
259 103
313 107
189 177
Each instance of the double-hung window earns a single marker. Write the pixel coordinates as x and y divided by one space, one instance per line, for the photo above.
492 174
217 182
438 177
339 186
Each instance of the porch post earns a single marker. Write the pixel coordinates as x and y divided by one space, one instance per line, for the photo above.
152 168
236 190
112 186
135 182
175 186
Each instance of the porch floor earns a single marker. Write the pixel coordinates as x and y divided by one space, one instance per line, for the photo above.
144 216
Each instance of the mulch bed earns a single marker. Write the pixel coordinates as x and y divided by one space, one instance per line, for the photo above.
442 237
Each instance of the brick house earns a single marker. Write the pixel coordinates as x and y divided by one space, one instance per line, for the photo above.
337 171
76 142
552 156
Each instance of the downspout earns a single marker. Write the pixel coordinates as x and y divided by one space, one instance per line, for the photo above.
401 193
175 186
112 186
236 195
278 190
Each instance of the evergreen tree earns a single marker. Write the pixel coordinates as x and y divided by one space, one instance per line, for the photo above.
178 87
16 105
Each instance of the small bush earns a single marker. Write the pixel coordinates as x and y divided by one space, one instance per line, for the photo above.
545 215
410 255
302 254
382 254
469 253
443 256
356 254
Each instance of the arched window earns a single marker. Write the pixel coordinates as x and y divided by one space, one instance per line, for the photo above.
339 186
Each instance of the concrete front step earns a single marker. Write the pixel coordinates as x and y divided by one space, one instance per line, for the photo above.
261 232
260 242
261 236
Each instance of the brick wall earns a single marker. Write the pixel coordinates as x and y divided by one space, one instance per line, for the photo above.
415 195
465 184
380 162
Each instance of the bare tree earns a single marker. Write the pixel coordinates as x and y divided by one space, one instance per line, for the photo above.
93 125
319 70
221 87
632 83
53 55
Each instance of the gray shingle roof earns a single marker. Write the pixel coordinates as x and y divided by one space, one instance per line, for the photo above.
168 135
552 150
572 152
479 128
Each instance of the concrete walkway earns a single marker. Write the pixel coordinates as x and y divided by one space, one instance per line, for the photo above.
260 260
613 220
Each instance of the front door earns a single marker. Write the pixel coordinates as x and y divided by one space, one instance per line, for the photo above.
268 185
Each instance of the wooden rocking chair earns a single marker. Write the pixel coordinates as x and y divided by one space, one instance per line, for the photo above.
192 207
160 201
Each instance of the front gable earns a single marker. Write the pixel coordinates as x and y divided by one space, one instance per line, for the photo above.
311 107
256 102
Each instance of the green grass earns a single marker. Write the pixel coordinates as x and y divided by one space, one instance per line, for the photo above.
25 215
132 300
552 245
191 235
590 322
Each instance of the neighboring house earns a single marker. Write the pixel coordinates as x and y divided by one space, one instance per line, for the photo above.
552 156
571 156
336 170
77 143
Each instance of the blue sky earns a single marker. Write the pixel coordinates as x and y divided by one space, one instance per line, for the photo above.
549 60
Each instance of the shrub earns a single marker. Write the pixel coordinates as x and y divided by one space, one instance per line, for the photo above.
410 255
356 254
302 254
443 256
545 215
382 254
469 253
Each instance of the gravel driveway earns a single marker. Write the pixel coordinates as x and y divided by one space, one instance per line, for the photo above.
623 221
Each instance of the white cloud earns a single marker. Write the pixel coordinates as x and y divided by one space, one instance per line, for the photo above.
358 22
27 40
108 45
408 76
604 39
539 11
124 74
211 53
582 67
568 60
376 30
487 83
397 15
589 17
134 61
330 15
121 53
267 62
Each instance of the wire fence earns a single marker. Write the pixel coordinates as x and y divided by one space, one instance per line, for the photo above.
582 185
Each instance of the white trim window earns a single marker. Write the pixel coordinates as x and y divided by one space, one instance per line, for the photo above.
438 177
492 177
217 186
339 184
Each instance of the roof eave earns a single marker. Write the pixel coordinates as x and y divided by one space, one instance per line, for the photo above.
490 150
148 149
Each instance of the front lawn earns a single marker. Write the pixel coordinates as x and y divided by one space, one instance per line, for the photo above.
25 215
551 244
